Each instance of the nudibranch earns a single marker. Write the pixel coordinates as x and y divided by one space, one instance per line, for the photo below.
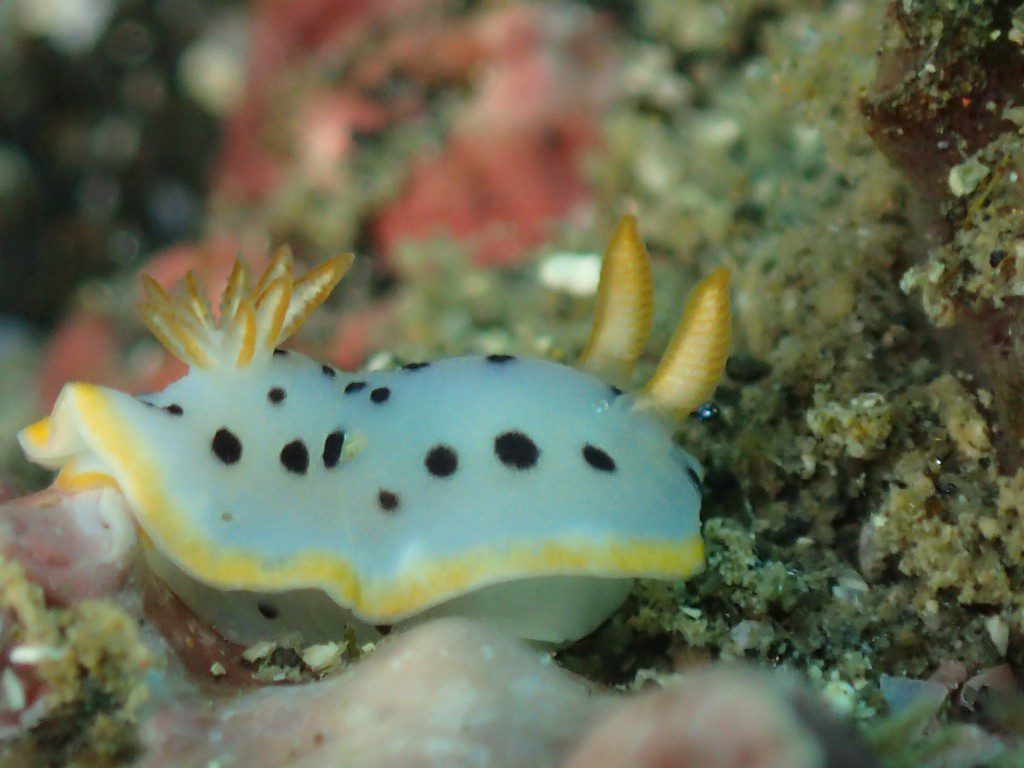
280 495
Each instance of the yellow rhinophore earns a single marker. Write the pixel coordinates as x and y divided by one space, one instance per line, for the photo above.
696 354
625 307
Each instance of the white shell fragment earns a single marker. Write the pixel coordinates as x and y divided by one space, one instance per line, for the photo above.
576 274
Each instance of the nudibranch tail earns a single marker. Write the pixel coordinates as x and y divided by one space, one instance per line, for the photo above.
624 311
251 324
695 358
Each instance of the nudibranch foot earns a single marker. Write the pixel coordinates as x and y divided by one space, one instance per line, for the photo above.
529 608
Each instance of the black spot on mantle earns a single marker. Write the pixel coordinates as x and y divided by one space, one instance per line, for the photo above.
441 461
226 446
332 448
388 500
516 450
598 458
295 457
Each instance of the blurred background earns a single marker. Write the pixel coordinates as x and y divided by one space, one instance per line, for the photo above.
110 120
124 124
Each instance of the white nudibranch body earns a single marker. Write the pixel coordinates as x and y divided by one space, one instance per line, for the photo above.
279 495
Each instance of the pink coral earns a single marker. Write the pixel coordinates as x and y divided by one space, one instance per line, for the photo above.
360 332
286 33
73 546
538 79
512 165
500 191
83 346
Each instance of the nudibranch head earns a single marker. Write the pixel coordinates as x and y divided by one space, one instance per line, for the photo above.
278 494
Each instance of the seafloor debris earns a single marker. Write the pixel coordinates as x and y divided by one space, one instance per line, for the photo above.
72 677
945 107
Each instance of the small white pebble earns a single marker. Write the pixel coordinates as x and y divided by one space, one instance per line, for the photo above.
217 669
841 696
902 693
646 678
807 140
719 132
259 651
14 691
989 528
382 361
964 178
320 656
577 274
493 342
33 654
999 632
850 586
743 633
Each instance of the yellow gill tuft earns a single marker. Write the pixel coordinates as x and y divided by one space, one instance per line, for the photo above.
252 323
